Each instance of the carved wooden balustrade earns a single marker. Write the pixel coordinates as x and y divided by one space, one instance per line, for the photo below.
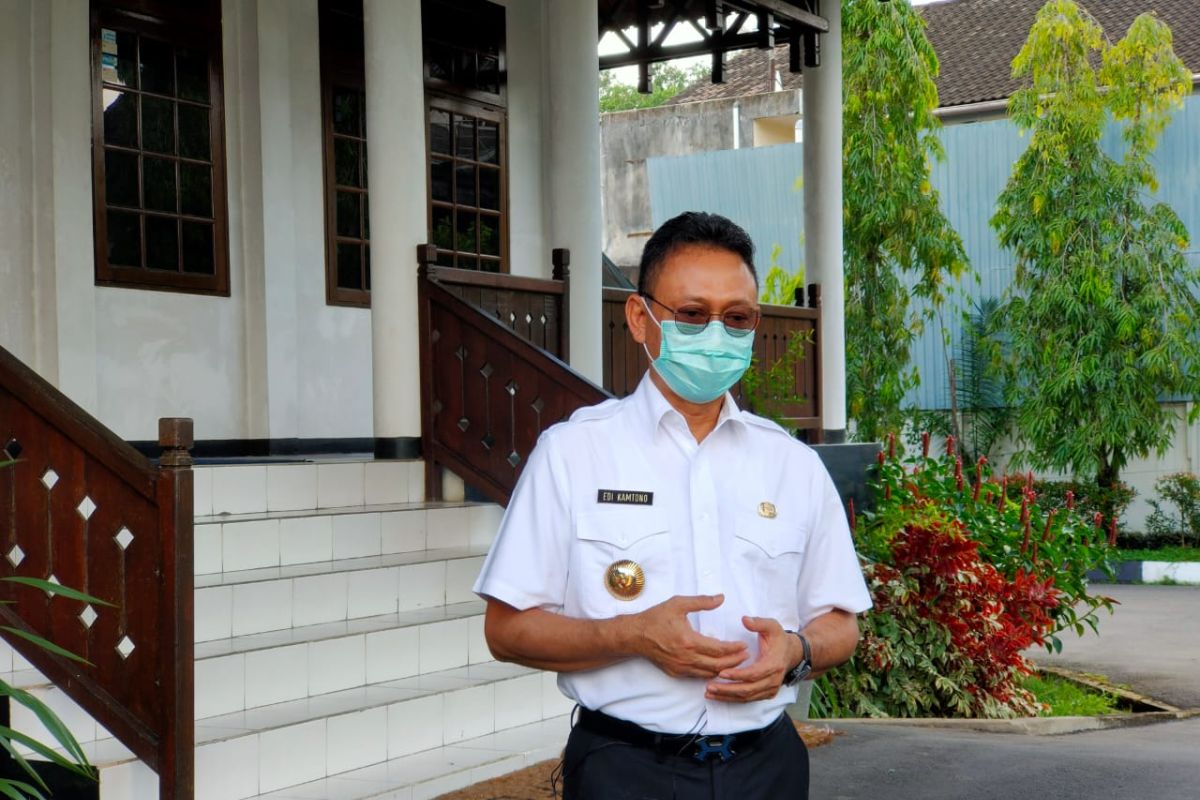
82 508
487 392
534 308
625 360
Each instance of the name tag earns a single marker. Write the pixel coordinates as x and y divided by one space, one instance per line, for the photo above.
625 498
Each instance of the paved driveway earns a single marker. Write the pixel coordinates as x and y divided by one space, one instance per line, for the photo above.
892 762
1152 643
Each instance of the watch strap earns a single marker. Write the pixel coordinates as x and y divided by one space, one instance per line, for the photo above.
804 668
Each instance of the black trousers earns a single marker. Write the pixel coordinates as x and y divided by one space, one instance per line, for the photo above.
596 767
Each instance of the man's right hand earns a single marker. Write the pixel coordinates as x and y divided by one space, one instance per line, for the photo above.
663 635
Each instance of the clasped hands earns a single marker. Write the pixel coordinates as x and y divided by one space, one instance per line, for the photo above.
667 639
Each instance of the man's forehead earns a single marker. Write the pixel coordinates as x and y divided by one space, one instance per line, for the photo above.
692 268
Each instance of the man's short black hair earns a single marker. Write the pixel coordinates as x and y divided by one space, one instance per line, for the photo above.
693 227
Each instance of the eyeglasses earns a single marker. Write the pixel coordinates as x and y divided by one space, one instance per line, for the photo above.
693 318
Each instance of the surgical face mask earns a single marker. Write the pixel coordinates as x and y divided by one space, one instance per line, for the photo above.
703 366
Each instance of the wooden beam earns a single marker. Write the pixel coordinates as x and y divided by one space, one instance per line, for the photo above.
785 11
766 30
742 41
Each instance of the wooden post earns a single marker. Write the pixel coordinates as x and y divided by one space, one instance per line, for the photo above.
814 302
426 266
176 768
561 258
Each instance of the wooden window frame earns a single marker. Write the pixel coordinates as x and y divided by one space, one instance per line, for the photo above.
197 26
345 68
491 113
468 11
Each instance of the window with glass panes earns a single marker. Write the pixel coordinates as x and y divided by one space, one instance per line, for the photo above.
157 151
466 183
465 92
351 226
344 106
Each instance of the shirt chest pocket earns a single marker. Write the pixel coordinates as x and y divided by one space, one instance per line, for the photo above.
620 563
768 555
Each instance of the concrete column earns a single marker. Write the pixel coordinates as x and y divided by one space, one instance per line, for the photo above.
71 203
822 114
279 315
574 169
399 215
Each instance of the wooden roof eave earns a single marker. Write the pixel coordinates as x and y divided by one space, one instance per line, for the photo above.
796 23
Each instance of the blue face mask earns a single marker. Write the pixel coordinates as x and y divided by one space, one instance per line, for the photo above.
703 366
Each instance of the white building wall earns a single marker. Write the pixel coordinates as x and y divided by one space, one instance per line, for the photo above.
272 360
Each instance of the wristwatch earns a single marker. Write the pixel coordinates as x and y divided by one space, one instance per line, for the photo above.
804 668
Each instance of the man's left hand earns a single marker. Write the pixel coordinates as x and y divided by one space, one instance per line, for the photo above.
778 652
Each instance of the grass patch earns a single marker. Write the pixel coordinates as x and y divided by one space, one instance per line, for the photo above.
1068 699
1162 554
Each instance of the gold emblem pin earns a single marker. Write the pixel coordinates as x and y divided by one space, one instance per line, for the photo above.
766 509
625 579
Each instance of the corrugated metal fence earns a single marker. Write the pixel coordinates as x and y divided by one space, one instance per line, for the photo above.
759 188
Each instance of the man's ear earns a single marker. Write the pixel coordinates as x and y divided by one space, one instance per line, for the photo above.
637 317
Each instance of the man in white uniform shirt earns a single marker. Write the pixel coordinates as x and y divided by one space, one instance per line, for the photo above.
681 563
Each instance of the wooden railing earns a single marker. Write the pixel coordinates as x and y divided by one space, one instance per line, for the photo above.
625 360
487 392
82 508
534 308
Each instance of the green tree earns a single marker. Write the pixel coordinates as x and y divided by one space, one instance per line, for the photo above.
898 244
1099 323
666 81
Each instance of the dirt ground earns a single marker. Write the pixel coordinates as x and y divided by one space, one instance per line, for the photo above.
533 783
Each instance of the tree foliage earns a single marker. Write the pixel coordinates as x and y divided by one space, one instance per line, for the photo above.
666 81
1099 323
898 243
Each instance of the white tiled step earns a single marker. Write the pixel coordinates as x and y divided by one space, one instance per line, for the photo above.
277 598
262 669
443 769
230 543
268 749
271 749
329 483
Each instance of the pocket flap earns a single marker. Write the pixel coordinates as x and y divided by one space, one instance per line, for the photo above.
773 536
621 527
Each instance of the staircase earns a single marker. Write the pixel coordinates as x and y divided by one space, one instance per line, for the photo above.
339 648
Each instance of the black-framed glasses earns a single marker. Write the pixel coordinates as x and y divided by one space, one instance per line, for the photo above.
693 318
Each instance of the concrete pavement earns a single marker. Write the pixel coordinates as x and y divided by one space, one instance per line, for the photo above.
1151 643
1156 762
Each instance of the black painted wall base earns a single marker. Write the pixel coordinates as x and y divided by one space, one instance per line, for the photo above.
406 447
851 467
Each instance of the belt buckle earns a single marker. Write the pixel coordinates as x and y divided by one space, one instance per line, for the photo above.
714 746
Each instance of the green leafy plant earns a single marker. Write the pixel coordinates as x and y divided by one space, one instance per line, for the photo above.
978 385
770 389
899 245
11 740
1177 513
964 579
1099 322
1086 497
779 285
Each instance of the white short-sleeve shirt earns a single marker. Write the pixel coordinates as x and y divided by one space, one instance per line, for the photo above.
689 515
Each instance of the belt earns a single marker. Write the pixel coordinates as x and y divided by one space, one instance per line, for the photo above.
697 746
